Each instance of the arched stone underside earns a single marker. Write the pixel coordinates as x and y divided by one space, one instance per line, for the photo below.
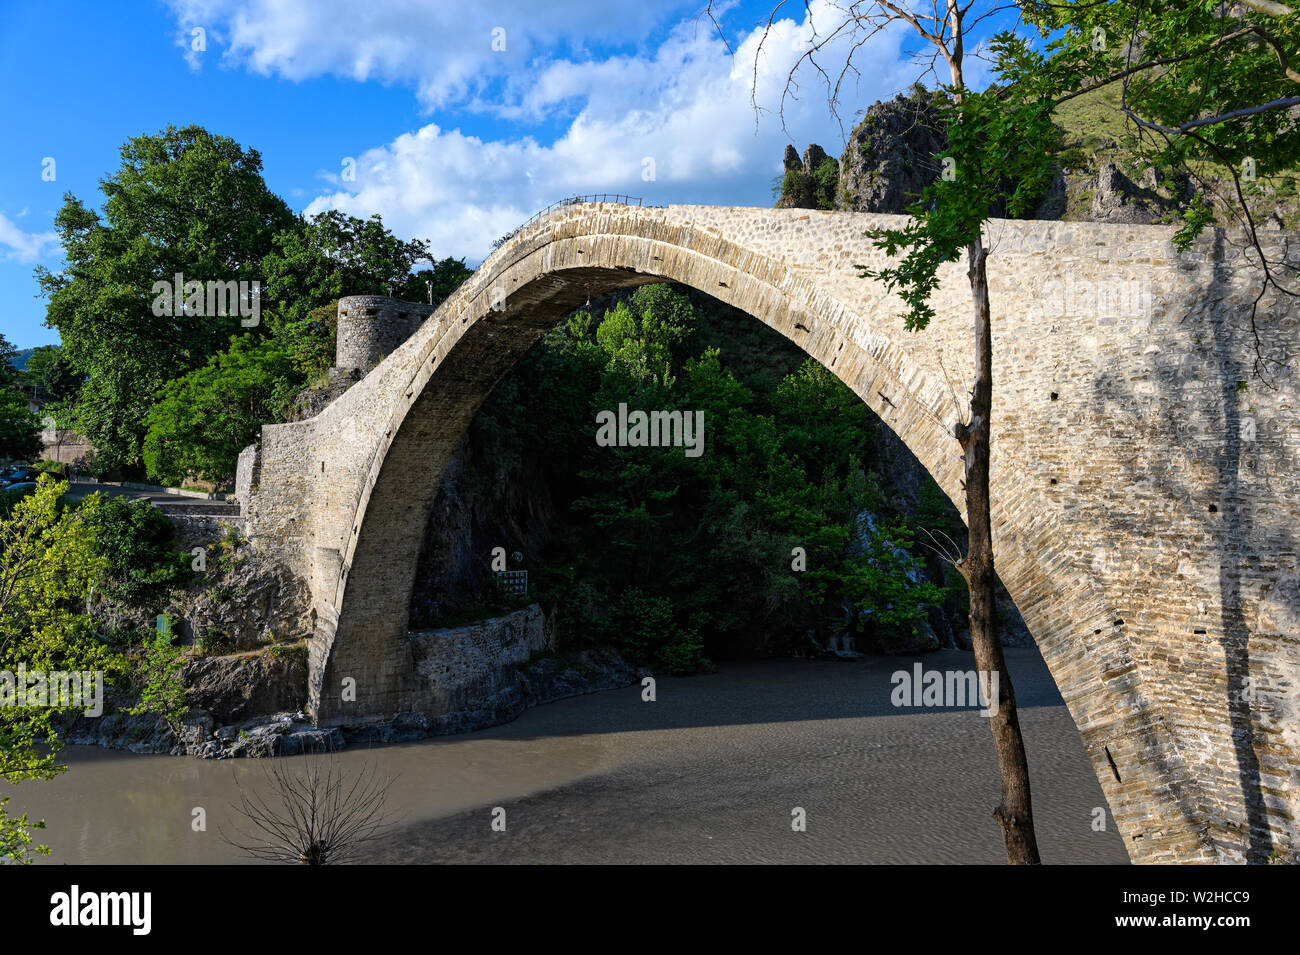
1145 501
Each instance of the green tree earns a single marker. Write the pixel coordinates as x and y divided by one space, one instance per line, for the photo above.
641 337
821 416
47 564
675 559
886 583
183 201
1211 90
20 428
9 374
434 286
133 541
49 376
331 255
310 344
204 419
158 675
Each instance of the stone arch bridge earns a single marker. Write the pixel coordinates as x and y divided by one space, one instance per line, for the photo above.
1146 483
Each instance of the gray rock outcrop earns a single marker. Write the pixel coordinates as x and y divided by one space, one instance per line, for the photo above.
891 155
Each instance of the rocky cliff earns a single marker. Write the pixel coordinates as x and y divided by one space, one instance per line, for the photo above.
891 156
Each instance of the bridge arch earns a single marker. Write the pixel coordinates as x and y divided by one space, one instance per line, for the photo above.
346 496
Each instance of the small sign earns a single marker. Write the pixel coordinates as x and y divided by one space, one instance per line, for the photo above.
514 582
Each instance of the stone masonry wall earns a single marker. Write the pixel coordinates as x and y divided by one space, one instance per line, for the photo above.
464 666
372 326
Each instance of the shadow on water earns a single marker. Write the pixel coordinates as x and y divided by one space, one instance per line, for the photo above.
777 691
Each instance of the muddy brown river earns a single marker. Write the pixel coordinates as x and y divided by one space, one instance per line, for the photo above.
713 771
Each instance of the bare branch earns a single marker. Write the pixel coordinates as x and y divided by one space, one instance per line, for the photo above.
1284 103
322 817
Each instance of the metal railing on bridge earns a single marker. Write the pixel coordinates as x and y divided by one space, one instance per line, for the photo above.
573 201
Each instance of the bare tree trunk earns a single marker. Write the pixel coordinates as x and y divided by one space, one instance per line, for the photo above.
1014 814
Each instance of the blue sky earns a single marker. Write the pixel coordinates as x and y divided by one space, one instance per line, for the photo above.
463 119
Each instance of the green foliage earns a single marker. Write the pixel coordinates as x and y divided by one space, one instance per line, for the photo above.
886 584
162 692
1197 66
289 651
1000 150
20 429
47 564
183 201
309 344
794 185
213 644
204 419
934 511
16 837
434 286
813 188
823 420
677 560
331 255
52 558
641 337
50 375
825 183
133 543
9 374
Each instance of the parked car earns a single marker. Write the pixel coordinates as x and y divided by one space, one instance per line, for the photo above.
18 473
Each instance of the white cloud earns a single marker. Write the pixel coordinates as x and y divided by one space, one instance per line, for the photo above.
448 51
681 109
23 246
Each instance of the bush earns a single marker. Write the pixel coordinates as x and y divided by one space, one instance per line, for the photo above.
161 690
685 654
289 651
213 643
135 540
825 182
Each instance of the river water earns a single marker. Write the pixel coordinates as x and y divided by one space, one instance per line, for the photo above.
710 772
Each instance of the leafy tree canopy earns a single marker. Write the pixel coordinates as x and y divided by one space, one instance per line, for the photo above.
20 429
183 201
204 419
